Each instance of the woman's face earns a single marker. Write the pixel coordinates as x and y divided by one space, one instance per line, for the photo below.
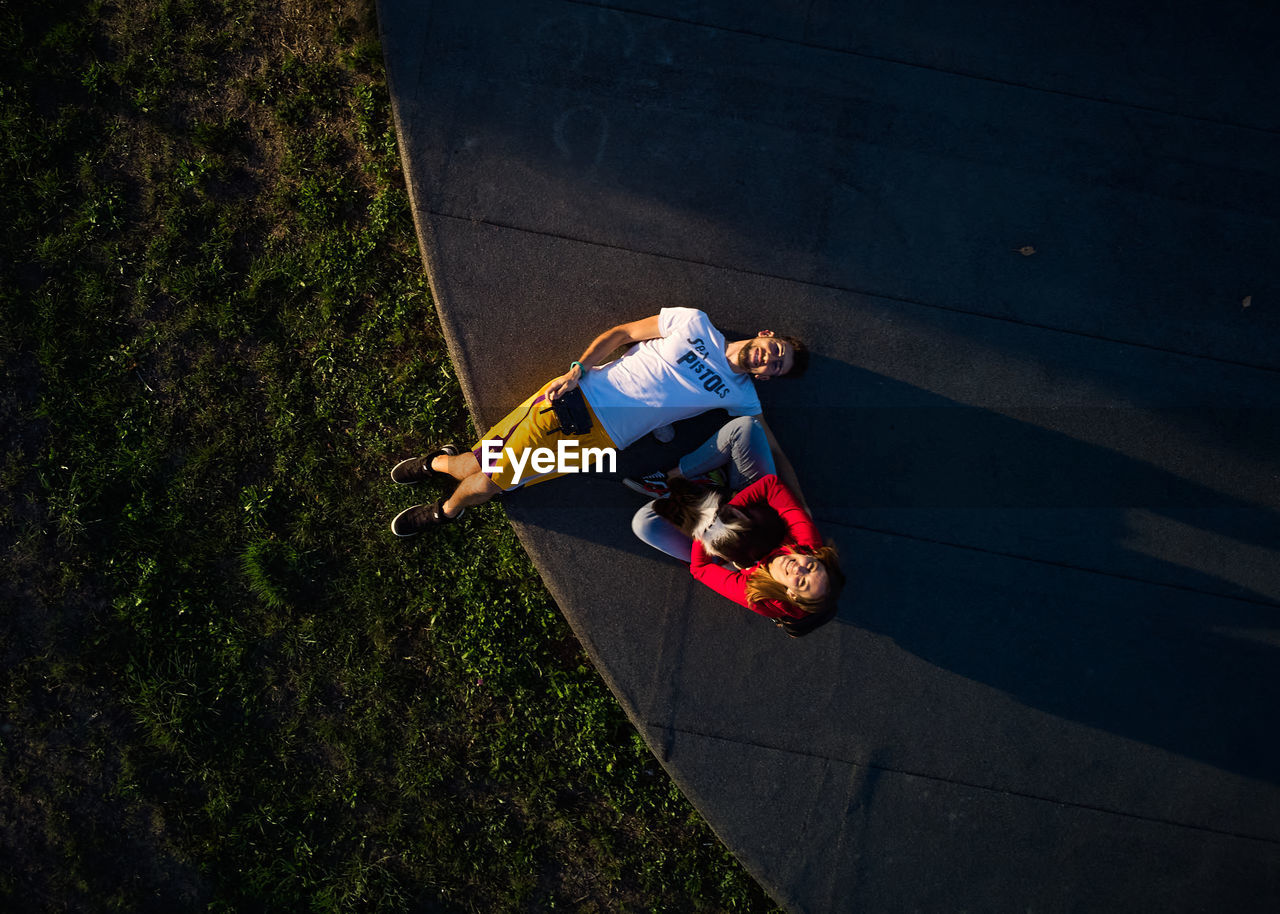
802 575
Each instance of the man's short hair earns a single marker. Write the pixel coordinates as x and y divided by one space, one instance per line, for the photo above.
800 357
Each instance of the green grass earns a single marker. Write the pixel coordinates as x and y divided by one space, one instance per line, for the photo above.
224 687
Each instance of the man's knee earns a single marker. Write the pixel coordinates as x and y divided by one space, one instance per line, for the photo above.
467 465
474 490
479 485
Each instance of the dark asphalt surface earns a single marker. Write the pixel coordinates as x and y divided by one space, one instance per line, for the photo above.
1054 475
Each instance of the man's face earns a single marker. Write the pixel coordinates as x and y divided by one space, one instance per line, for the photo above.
766 357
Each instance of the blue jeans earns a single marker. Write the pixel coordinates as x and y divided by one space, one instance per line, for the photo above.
743 447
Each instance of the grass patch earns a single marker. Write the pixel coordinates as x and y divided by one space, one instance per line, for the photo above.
222 690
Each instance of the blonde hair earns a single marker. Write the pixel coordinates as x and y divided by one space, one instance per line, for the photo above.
762 587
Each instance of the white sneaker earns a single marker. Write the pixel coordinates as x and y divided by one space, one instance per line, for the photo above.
664 434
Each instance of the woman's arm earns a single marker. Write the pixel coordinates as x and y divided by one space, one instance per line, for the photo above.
770 490
729 584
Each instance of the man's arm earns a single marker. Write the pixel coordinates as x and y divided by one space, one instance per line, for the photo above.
786 472
601 346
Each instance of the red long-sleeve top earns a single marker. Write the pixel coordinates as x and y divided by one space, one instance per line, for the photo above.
801 531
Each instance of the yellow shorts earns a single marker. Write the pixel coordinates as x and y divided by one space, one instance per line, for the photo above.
533 425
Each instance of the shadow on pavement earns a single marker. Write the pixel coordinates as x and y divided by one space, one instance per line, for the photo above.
1187 666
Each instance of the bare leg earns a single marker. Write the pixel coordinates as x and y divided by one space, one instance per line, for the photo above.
476 489
459 467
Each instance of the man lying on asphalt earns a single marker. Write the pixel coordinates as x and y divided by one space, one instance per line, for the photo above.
678 365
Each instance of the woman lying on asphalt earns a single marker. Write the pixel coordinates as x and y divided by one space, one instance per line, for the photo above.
777 563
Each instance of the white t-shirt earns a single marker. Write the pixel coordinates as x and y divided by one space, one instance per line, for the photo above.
661 381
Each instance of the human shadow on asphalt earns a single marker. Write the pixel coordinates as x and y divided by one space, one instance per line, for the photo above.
1006 552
